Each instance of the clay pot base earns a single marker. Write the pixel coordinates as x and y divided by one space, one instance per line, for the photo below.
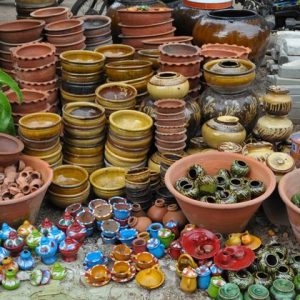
127 279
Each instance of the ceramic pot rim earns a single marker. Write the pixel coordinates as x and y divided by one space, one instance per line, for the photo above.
147 36
67 108
160 41
163 51
100 43
37 68
87 190
143 52
42 96
129 64
112 84
247 14
58 120
125 11
146 26
75 22
35 24
194 62
88 18
43 83
65 35
62 10
117 46
99 58
71 44
19 144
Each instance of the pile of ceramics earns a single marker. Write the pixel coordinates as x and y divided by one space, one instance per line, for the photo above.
51 14
84 132
142 23
24 7
81 75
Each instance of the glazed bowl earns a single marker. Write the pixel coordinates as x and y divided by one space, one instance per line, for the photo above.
128 69
151 278
51 157
11 149
82 61
70 97
130 123
39 126
42 152
121 252
83 159
288 187
96 149
21 31
116 52
138 174
90 168
151 55
50 14
223 218
82 78
86 142
84 132
103 212
95 25
14 212
64 26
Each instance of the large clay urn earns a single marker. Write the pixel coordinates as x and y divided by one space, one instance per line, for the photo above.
234 26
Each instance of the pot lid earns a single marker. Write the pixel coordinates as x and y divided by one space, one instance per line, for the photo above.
280 162
278 89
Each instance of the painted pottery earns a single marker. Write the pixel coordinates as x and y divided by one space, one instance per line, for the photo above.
47 250
74 209
269 262
3 253
239 168
25 260
144 260
285 272
65 221
151 278
33 239
58 272
139 223
109 240
139 245
10 281
296 282
121 269
98 275
103 212
77 232
173 226
282 289
25 229
69 249
45 227
243 279
188 281
86 219
57 234
259 151
127 236
295 262
9 264
257 292
184 261
166 236
122 211
5 231
156 248
94 258
210 28
137 210
216 282
230 291
295 150
14 244
36 277
110 228
230 147
263 278
154 228
144 235
204 275
174 250
223 129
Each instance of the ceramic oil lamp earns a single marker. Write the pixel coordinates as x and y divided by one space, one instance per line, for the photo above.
77 232
65 221
154 228
58 272
243 279
25 260
57 234
94 258
74 209
175 249
173 226
239 168
5 230
69 249
257 292
3 253
14 243
10 281
122 211
33 239
230 291
204 274
110 228
25 229
86 219
216 283
45 227
47 250
188 281
156 248
282 289
166 236
9 264
126 236
263 278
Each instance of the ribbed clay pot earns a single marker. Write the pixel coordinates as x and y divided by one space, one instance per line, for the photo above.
188 69
139 223
64 26
157 211
51 14
154 43
40 86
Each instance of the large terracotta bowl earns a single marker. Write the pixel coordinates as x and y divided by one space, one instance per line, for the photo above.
223 218
288 186
14 212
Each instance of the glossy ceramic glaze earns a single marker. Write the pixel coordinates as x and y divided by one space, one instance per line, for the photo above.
116 52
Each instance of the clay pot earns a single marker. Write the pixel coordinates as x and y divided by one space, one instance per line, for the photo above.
188 69
174 214
157 211
139 245
116 52
51 14
156 42
47 86
21 31
62 39
137 210
64 26
78 45
11 149
151 55
95 25
172 106
139 223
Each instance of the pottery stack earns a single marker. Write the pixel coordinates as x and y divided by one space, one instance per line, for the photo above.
25 7
184 59
170 133
16 33
51 14
129 139
34 67
144 22
40 133
81 75
84 132
96 31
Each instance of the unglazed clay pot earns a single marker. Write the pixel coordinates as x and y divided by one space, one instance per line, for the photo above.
223 129
157 211
174 214
51 14
139 223
234 26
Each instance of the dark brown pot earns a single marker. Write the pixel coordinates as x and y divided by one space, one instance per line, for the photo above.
240 27
157 211
174 214
95 25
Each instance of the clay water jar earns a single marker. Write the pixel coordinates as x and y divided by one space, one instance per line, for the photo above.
139 223
95 25
157 211
11 149
63 39
174 214
64 26
116 52
21 31
51 14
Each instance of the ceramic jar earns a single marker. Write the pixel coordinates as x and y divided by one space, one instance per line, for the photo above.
240 27
65 221
33 239
216 282
127 236
86 219
25 229
9 264
230 291
25 260
57 234
282 289
294 261
139 245
140 224
243 279
263 278
175 249
188 281
3 253
122 211
269 262
10 281
45 227
14 244
47 250
272 128
284 272
175 214
58 272
204 275
173 226
257 292
157 211
69 249
137 210
77 232
5 231
223 129
153 229
155 247
166 236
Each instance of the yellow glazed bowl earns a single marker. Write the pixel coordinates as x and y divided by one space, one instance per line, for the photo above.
58 163
53 157
82 78
116 52
40 126
84 132
68 97
42 152
130 123
82 61
131 142
124 152
86 159
95 150
83 114
84 143
151 55
90 168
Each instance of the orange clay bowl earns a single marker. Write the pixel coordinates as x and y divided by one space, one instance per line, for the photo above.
289 185
223 218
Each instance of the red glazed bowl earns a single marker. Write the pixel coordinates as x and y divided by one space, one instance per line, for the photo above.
223 218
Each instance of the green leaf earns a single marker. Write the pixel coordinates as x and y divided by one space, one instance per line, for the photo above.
5 79
5 113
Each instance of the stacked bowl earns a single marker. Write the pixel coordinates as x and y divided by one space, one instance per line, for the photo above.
116 96
40 133
81 75
170 133
25 7
142 23
96 31
116 52
84 133
51 14
129 139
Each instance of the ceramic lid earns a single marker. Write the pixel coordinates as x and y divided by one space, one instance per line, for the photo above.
283 285
218 281
280 162
258 291
153 243
229 290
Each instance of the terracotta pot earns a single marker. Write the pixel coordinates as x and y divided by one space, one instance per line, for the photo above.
64 26
171 136
174 144
186 69
221 218
171 106
78 45
68 38
39 86
95 39
95 25
6 64
34 55
10 150
238 23
21 31
137 210
174 214
51 14
157 211
139 223
288 187
139 245
5 55
156 42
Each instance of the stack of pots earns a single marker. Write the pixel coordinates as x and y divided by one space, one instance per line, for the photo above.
138 188
139 24
116 96
26 7
81 75
84 132
184 59
35 74
170 133
96 31
51 14
14 34
40 133
167 160
129 139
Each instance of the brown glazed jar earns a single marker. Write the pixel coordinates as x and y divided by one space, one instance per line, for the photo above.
140 224
112 12
174 214
157 211
234 26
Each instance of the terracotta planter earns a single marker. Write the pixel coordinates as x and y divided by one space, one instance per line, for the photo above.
34 55
223 218
5 55
289 185
167 106
186 69
95 39
95 25
40 86
51 14
68 38
156 42
10 150
21 31
78 45
64 26
7 46
14 212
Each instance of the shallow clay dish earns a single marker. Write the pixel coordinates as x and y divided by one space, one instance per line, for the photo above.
116 52
64 26
11 149
51 14
78 45
95 25
39 144
47 86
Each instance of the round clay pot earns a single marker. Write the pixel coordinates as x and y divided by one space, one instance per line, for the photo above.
21 31
173 144
51 14
174 214
95 25
40 86
156 42
78 45
68 38
64 26
157 211
34 55
139 223
137 210
172 106
11 149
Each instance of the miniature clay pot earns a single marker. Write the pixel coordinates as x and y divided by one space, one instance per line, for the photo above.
139 245
51 14
139 223
121 252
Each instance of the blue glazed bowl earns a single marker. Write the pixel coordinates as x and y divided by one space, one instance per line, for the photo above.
122 211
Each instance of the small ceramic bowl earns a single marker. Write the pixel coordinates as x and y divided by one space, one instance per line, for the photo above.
82 78
121 252
116 52
125 152
39 126
95 150
69 97
64 26
84 132
110 228
95 24
42 152
53 157
11 149
103 212
144 260
86 159
35 144
50 14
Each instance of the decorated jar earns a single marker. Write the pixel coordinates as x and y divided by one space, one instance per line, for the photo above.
57 234
284 271
77 232
216 282
5 230
86 219
154 228
263 278
25 229
269 262
156 248
45 227
173 226
204 275
243 278
9 264
10 281
166 236
3 253
188 281
157 211
58 272
259 151
14 243
282 289
257 292
25 260
65 221
33 239
230 291
47 250
69 249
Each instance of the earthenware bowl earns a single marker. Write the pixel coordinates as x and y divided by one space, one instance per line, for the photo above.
64 26
42 152
97 149
151 55
195 210
121 252
52 157
95 25
116 52
47 86
155 42
83 159
63 39
86 142
70 97
103 212
39 144
69 46
39 126
11 149
84 132
82 78
51 14
150 278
